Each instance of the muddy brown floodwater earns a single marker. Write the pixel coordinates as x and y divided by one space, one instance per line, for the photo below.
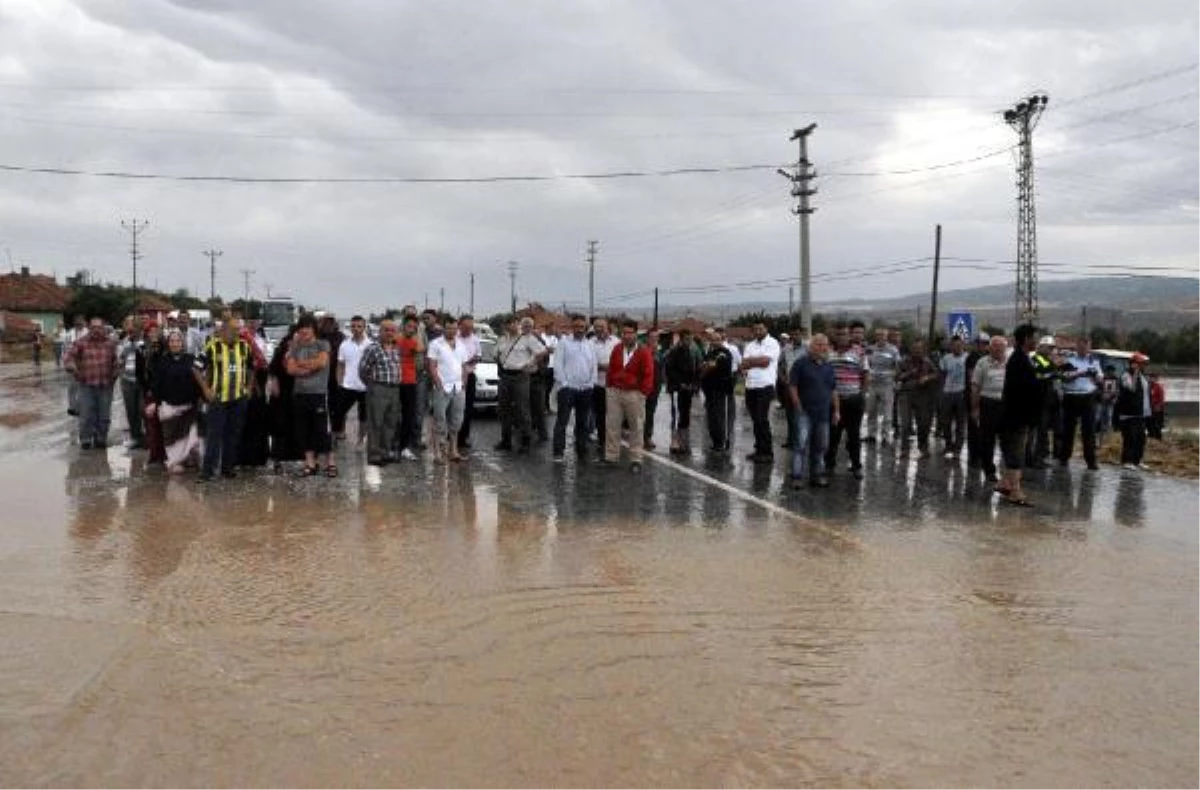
541 624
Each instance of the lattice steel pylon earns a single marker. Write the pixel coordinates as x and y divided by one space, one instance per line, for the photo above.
1023 118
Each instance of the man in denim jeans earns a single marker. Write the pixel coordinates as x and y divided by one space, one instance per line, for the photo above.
92 363
813 389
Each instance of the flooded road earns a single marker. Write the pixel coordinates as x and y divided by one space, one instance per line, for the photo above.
517 622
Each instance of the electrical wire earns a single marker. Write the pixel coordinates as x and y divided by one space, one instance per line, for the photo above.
611 175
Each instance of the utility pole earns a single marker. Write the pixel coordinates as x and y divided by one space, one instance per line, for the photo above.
512 278
802 191
656 307
593 246
212 254
471 302
442 300
1023 118
937 265
135 229
791 300
246 274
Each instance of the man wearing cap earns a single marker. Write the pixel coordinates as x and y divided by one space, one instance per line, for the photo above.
1132 411
1045 365
1081 379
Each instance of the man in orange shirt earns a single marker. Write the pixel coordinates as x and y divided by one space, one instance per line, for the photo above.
630 382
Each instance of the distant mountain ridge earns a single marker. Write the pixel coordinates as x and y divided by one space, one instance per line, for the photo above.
1134 302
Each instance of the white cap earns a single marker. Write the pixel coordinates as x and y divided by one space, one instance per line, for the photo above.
984 337
1046 341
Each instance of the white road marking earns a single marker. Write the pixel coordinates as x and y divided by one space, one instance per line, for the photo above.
763 503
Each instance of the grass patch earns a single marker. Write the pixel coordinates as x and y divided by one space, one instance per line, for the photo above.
1178 454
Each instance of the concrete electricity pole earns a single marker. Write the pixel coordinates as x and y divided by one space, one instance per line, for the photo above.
593 246
134 229
512 277
471 303
212 254
802 191
246 274
1023 118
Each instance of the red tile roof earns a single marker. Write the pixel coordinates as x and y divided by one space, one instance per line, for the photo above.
153 304
32 293
18 328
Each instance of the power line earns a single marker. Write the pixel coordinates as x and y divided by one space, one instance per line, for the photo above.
612 175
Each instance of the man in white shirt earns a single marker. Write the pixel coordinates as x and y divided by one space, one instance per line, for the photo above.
760 364
470 343
575 377
445 360
603 344
351 389
193 338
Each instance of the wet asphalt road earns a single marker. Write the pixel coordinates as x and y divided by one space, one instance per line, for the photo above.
514 621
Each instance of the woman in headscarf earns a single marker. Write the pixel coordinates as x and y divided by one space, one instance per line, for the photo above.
147 358
176 395
279 405
254 449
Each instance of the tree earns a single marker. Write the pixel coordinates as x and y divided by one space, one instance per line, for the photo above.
1103 337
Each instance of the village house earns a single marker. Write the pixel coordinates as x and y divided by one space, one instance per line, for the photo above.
34 297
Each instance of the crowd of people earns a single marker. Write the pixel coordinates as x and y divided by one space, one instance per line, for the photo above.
221 401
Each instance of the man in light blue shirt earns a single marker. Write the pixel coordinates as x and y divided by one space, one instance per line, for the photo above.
575 375
1081 377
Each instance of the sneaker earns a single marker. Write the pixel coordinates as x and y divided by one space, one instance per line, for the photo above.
407 455
557 458
947 455
1143 467
85 445
857 473
1128 466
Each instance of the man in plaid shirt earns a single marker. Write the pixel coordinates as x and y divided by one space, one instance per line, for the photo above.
92 360
379 369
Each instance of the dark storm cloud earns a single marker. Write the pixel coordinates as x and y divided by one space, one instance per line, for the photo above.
500 88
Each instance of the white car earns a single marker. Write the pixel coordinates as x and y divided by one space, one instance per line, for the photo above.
487 377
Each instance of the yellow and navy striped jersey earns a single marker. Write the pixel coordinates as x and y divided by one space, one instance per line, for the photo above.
226 368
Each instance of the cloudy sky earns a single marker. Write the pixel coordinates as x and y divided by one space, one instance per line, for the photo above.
345 101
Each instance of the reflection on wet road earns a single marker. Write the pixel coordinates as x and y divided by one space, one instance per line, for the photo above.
526 623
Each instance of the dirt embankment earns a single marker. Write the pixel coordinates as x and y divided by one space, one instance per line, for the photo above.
1178 454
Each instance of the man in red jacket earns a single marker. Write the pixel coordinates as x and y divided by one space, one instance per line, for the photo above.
630 382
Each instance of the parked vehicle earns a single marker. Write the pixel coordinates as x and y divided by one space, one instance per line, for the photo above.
487 376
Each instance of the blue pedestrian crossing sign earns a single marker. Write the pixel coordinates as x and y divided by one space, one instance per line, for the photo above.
960 325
